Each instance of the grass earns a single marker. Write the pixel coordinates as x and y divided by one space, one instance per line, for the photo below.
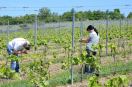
119 67
60 79
20 83
63 78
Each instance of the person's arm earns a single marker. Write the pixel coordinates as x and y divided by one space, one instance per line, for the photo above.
24 51
16 52
19 49
19 52
85 40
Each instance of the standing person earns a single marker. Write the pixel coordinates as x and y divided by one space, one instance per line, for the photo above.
15 47
93 39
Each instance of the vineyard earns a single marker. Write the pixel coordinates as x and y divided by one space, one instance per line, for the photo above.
57 58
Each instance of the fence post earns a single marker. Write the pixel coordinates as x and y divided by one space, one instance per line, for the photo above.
107 26
73 21
7 39
8 31
81 34
59 25
35 32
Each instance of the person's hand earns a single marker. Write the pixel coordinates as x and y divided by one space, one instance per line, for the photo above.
80 40
24 51
17 52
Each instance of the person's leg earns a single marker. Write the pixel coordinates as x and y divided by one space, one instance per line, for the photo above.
92 68
13 65
87 67
88 53
9 51
17 67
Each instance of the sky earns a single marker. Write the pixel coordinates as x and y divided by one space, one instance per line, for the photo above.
22 7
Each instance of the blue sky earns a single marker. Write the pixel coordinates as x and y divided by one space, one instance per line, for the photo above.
15 7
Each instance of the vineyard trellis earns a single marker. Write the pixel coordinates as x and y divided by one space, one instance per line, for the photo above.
115 42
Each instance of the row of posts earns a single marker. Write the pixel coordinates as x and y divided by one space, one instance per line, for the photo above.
73 26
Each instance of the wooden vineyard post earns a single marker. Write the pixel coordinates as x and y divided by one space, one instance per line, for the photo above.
35 33
119 41
7 38
8 31
120 27
73 21
81 34
59 25
107 26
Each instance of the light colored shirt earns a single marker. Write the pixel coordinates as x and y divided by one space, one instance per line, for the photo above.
17 44
93 40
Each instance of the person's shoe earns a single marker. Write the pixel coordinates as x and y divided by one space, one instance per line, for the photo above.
94 53
88 69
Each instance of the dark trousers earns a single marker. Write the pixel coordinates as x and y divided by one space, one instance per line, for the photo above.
88 68
90 53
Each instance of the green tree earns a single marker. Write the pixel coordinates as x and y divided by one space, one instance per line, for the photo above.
67 16
29 18
79 15
89 15
97 15
55 17
115 14
44 14
129 15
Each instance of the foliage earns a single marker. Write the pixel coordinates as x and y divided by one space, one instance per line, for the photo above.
38 74
93 81
46 15
14 58
92 61
115 81
6 72
19 83
118 81
63 41
129 15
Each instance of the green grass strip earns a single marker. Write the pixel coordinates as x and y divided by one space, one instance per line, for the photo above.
20 83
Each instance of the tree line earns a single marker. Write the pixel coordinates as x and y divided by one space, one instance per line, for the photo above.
45 15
